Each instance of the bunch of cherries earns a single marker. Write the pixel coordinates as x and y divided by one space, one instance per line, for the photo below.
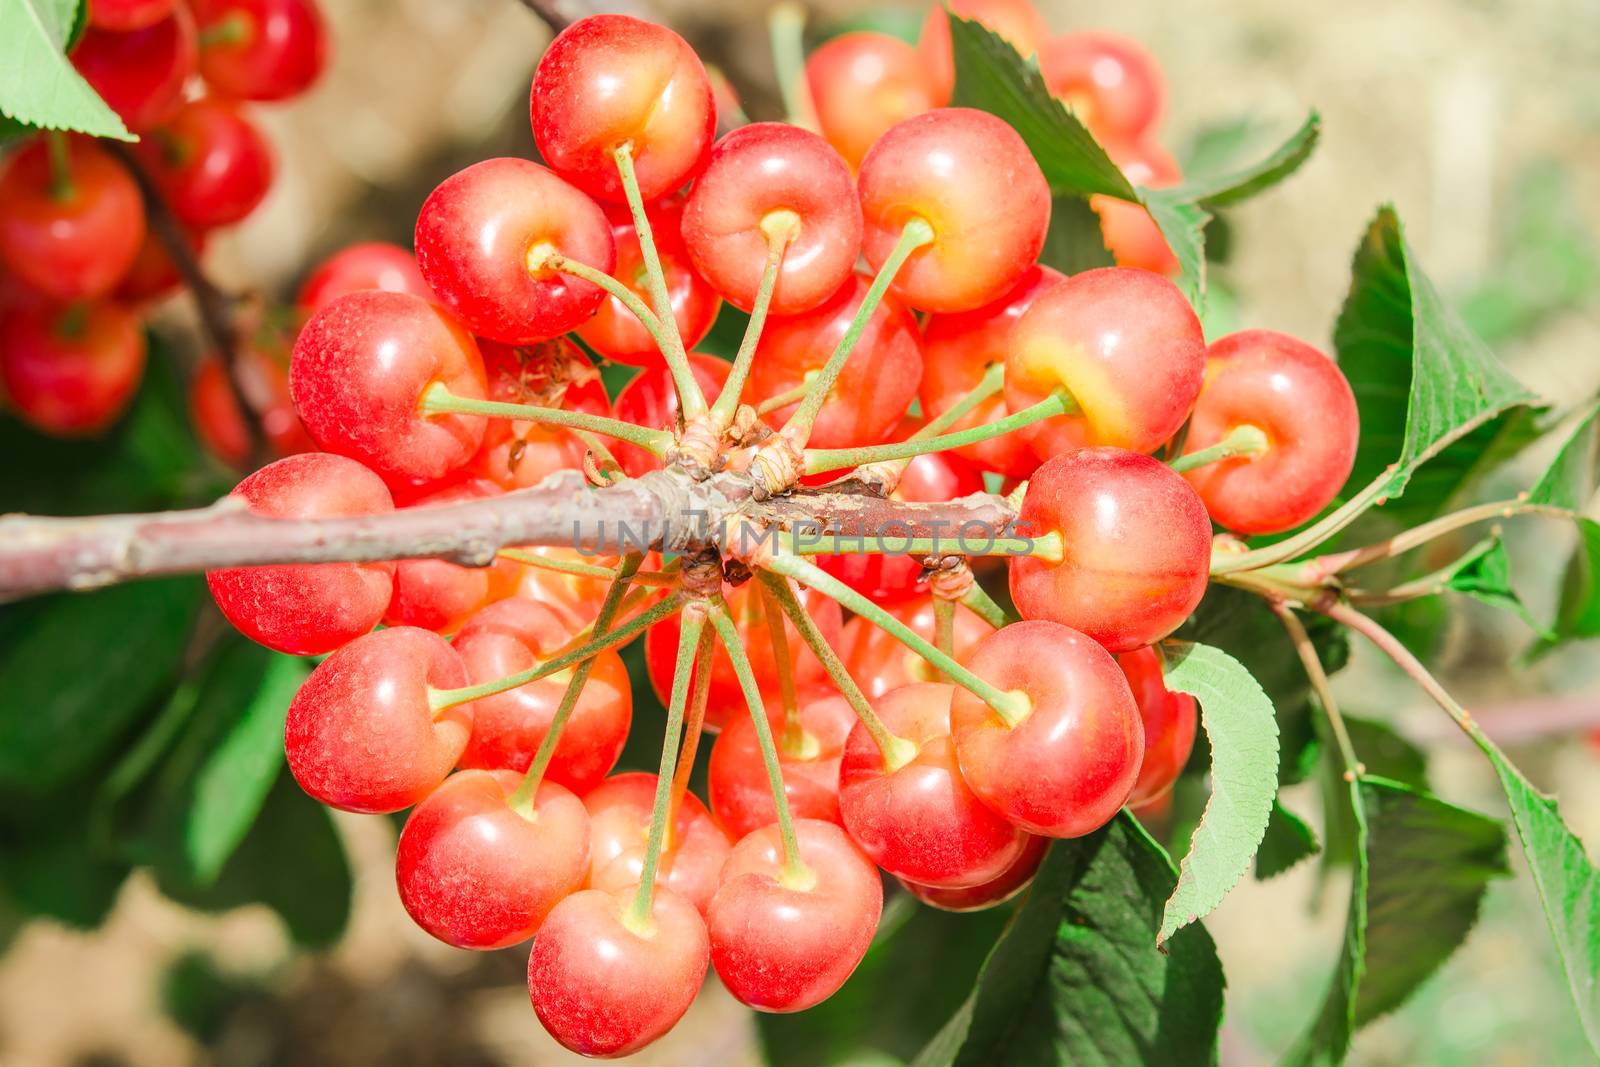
931 735
78 261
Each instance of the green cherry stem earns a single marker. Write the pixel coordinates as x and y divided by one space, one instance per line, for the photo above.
693 726
1242 440
61 185
817 543
585 570
544 257
1230 563
787 397
981 604
786 25
438 399
944 626
993 380
780 226
793 741
1319 684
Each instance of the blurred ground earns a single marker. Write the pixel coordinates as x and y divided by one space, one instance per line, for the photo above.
1442 106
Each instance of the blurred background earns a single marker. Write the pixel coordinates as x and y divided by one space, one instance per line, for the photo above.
1479 119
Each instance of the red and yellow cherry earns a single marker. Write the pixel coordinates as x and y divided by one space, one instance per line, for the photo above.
153 275
361 734
1301 400
692 853
878 380
1128 347
970 177
863 84
1135 547
772 178
368 265
359 370
261 49
477 873
71 370
1005 886
610 80
879 662
437 595
1017 21
651 401
121 16
210 162
1066 766
1169 719
1131 235
72 235
516 454
920 821
574 597
780 946
513 635
603 986
140 74
264 381
616 332
485 238
308 609
1110 82
737 786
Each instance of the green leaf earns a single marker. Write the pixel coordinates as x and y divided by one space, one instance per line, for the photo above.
1578 610
1242 183
1288 841
1183 224
1074 242
1569 481
1243 735
1386 754
1483 572
38 86
1077 978
47 868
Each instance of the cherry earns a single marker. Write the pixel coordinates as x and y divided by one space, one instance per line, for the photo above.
616 332
1005 886
359 369
619 824
121 16
556 373
1128 347
864 83
737 786
140 74
603 988
1135 547
434 594
74 237
1169 718
1017 21
764 175
574 597
307 609
361 735
1109 81
70 371
920 821
785 947
974 181
211 163
153 275
878 380
610 80
510 636
261 49
477 873
1069 763
368 265
265 383
1300 399
651 401
1131 235
483 237
879 662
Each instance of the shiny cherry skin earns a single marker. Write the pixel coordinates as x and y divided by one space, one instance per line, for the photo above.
617 333
1170 720
308 609
602 988
121 16
651 401
367 265
516 454
1128 347
1110 82
264 380
140 74
70 371
783 948
507 729
272 50
878 380
609 80
361 736
477 873
1301 400
211 163
434 594
72 243
863 84
972 178
1135 544
481 234
1006 886
920 821
619 826
153 275
359 370
1131 235
1017 21
769 172
879 662
1065 769
737 787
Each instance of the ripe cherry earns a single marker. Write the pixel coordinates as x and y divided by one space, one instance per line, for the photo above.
72 234
1300 399
477 873
1109 81
153 275
308 609
1127 346
770 175
121 16
140 74
261 49
920 821
879 662
484 239
516 454
1069 763
70 371
437 595
780 946
1135 547
359 370
1005 886
369 265
1169 719
610 80
361 735
737 786
692 854
616 332
1130 234
864 83
574 597
603 988
264 380
974 181
210 162
651 401
1017 21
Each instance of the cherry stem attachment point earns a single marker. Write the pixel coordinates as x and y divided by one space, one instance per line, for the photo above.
781 227
1242 440
544 257
438 399
233 29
